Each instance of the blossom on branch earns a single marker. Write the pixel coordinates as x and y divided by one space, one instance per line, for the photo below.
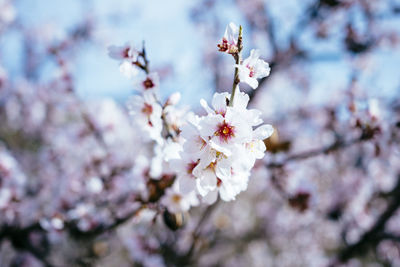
128 55
220 148
229 41
253 68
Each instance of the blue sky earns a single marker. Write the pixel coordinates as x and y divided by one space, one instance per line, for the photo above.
173 40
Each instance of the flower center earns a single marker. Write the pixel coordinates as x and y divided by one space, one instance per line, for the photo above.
252 72
147 109
225 131
125 53
176 198
148 84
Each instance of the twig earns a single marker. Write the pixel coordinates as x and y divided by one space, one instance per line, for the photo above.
337 145
238 60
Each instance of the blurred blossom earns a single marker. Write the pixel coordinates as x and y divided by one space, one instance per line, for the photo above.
197 168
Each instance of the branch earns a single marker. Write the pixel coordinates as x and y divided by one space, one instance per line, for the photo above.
375 234
367 134
79 234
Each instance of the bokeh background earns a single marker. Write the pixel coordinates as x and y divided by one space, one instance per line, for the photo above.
326 194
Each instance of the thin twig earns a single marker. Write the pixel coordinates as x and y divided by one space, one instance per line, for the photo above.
337 145
238 60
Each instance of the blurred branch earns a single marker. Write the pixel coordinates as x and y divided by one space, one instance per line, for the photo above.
20 239
375 234
78 234
367 134
390 236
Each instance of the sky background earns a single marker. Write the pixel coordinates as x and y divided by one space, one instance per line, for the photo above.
174 42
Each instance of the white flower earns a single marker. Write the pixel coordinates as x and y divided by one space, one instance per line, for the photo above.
163 153
176 201
128 55
148 83
255 149
125 52
221 148
146 112
128 70
225 132
194 143
229 41
253 68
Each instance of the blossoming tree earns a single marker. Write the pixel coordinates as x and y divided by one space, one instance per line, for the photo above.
153 183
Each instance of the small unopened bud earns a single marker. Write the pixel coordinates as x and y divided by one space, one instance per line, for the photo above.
174 221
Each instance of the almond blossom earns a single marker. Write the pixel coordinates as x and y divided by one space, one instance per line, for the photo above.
220 148
229 41
128 56
150 81
126 52
253 68
176 201
146 112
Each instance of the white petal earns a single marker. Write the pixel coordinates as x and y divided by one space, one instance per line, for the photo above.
219 102
211 197
251 81
204 104
226 192
241 100
263 132
223 169
187 184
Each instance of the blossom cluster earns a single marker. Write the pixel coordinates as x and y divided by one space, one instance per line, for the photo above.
208 155
221 148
